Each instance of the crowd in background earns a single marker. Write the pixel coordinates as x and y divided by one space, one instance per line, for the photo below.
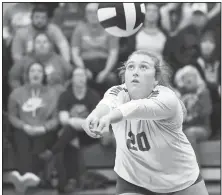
58 62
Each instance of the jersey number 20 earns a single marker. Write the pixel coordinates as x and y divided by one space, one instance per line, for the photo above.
141 139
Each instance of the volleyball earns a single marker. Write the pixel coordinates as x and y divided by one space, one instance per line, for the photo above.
121 19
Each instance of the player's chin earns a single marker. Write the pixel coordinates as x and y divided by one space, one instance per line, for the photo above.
134 90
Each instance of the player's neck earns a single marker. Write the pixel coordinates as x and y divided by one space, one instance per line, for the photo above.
139 95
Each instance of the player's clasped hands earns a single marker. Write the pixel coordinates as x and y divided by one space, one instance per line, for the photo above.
95 127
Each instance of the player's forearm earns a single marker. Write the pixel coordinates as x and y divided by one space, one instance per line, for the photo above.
144 110
115 116
101 110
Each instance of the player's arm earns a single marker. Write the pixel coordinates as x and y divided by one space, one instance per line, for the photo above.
102 109
154 108
108 103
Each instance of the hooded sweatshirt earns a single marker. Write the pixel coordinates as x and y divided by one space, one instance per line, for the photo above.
58 71
33 105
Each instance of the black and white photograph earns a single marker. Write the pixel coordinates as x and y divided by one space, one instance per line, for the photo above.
111 98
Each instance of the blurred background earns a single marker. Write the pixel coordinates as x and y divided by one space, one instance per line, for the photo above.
57 38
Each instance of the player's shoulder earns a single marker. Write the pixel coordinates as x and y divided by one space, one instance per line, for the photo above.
163 91
165 95
117 89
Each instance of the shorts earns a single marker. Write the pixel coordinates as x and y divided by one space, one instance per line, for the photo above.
123 186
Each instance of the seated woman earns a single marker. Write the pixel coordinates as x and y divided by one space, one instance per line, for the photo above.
96 50
33 116
196 97
74 105
57 69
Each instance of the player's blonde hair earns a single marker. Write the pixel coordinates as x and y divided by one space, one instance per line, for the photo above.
163 72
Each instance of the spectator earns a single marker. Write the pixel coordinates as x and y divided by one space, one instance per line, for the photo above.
186 49
16 16
176 16
23 41
196 98
49 6
209 67
151 37
171 14
208 62
67 16
32 113
74 106
57 69
96 50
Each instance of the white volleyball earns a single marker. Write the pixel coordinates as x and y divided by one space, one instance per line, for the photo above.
121 19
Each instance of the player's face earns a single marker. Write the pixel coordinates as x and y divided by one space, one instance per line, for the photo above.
140 75
36 74
152 13
79 77
40 20
42 44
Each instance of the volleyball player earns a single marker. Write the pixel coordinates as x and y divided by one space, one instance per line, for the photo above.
153 155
